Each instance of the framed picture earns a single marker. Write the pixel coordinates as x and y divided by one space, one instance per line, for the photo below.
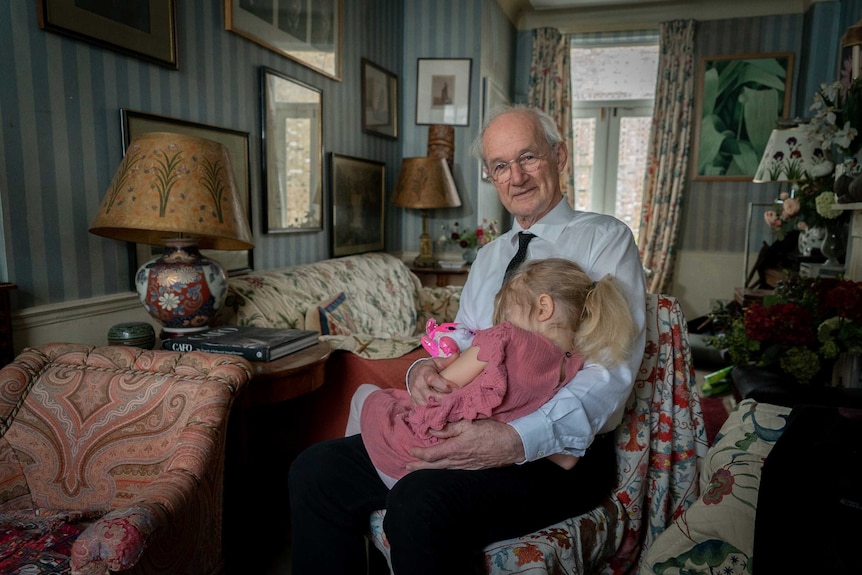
308 31
443 91
292 154
740 99
494 98
379 101
358 188
145 28
134 123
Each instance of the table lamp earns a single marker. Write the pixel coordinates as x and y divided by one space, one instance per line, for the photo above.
424 184
788 157
178 191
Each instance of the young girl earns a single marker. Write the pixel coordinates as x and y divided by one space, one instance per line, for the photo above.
549 318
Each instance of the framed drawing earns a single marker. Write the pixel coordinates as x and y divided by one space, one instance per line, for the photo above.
443 91
740 99
292 154
358 188
134 123
308 31
379 101
145 29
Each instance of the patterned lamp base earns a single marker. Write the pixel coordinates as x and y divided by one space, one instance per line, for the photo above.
182 289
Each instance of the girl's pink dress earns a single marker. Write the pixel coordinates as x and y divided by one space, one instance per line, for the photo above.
523 371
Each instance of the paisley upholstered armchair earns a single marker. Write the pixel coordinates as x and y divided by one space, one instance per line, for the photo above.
112 458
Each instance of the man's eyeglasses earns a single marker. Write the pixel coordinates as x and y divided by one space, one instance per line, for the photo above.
501 172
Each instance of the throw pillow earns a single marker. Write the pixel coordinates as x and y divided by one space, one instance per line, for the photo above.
332 317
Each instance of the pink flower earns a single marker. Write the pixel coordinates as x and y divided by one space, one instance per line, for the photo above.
790 208
771 218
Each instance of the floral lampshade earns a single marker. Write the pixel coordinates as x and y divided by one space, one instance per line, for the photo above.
790 156
178 191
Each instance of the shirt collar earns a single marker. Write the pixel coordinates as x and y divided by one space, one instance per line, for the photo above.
551 225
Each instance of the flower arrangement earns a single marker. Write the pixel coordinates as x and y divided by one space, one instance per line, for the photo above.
800 329
472 238
812 207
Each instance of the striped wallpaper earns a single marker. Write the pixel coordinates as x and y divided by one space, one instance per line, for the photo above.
60 134
59 105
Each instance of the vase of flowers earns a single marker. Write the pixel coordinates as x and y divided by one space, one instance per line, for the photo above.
799 330
469 240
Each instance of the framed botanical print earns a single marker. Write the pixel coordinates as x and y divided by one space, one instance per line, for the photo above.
740 99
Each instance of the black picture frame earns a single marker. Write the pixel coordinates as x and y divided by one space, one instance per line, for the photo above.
145 29
134 123
379 100
358 207
292 153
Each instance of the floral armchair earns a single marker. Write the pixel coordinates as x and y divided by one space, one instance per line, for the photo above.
112 459
660 443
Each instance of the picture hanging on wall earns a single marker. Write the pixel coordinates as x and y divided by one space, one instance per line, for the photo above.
292 154
135 123
308 31
740 99
358 189
443 91
145 29
379 101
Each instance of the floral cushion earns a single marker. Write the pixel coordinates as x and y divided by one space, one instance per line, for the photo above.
332 317
388 305
659 445
716 534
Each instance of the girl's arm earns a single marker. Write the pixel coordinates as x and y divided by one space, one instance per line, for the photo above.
465 368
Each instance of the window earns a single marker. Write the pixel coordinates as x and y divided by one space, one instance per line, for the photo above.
612 98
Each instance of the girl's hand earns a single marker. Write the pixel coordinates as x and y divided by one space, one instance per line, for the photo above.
425 381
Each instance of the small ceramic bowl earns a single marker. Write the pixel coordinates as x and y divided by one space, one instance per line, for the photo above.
137 334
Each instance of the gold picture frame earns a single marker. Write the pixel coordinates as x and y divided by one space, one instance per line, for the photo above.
307 31
145 29
740 99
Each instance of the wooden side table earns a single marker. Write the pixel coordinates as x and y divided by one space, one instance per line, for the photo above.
440 276
255 491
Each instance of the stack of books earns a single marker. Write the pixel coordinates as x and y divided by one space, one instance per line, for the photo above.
252 343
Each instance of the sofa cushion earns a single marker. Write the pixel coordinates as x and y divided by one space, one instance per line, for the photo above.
716 534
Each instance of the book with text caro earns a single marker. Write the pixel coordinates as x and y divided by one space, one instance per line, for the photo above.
252 343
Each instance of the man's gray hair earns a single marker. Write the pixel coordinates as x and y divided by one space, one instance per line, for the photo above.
549 127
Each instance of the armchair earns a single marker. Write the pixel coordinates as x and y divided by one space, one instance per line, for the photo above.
111 458
659 445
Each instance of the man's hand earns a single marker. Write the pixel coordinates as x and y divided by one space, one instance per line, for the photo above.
425 380
471 445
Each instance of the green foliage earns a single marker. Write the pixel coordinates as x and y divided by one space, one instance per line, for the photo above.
742 99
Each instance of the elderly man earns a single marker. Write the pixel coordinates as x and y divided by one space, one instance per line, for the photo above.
486 480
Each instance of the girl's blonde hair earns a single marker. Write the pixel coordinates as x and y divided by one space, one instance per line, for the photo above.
597 312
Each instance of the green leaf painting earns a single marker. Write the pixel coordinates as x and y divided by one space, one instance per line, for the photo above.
741 100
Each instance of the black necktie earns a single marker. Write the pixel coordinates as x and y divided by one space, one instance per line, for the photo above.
519 257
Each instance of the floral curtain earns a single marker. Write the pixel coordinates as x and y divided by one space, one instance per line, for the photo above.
551 89
668 154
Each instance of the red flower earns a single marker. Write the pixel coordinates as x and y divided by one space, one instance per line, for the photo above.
721 485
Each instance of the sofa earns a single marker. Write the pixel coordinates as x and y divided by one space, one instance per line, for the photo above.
370 308
112 459
659 444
